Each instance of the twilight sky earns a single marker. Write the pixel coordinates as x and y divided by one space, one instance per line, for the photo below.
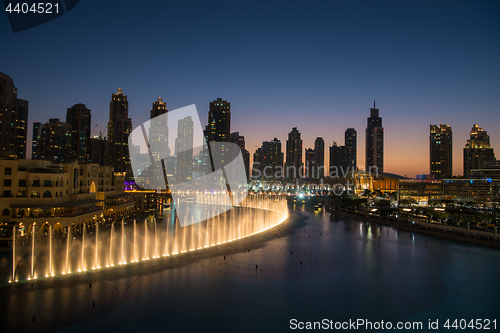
315 65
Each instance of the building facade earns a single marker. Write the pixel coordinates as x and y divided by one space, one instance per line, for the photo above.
271 160
56 142
374 142
35 139
78 118
13 119
119 129
351 148
184 149
477 150
441 151
319 159
39 193
219 121
294 164
158 130
310 164
239 140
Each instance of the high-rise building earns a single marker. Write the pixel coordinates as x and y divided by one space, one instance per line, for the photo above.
374 142
477 150
78 117
56 142
219 121
319 159
239 140
256 167
310 168
98 150
271 161
441 151
13 119
37 132
158 130
20 127
338 161
184 149
351 144
293 166
119 128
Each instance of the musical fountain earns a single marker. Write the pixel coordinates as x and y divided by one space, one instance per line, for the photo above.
98 246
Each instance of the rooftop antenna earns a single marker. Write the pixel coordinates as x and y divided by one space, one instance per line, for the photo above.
374 104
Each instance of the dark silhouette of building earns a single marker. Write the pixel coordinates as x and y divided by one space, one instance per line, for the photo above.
293 166
119 128
351 150
271 161
56 142
257 164
239 140
37 132
310 169
219 121
338 161
441 151
184 149
98 150
374 142
343 158
319 159
78 117
477 151
13 119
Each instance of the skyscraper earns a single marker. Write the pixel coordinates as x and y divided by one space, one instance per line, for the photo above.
310 169
293 166
477 150
158 130
271 161
441 151
119 128
184 149
351 144
319 159
13 119
56 142
219 121
256 167
374 142
78 117
37 131
239 140
338 161
98 150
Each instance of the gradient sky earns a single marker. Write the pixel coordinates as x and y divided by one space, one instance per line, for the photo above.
315 65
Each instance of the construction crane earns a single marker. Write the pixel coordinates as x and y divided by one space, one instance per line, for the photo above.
93 129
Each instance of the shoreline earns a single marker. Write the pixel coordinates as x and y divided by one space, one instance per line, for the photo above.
422 228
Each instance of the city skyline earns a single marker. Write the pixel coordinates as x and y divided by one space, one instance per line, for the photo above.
327 157
141 209
424 64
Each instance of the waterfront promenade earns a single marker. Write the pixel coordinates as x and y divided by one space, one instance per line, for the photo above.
481 237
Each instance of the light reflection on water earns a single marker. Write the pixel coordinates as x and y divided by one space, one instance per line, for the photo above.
380 274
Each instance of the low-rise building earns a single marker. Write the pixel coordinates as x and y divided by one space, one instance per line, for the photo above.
43 193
